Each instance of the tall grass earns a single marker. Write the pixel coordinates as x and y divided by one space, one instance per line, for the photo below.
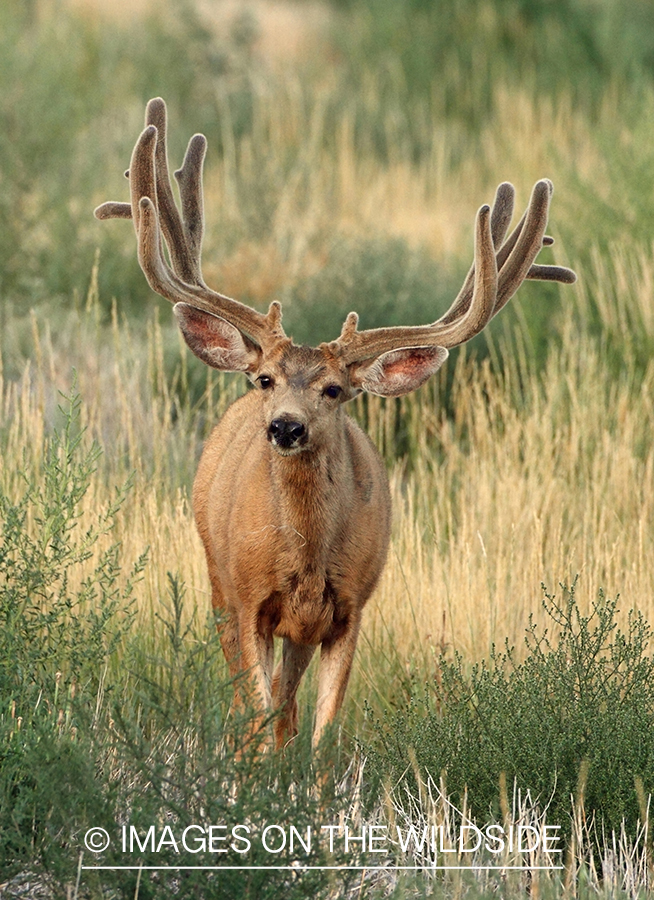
487 505
511 494
538 476
295 180
347 178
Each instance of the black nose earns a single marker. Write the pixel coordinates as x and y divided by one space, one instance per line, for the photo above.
286 433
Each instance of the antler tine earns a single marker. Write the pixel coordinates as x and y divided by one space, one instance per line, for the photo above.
501 214
354 345
141 173
498 271
551 273
165 281
154 211
141 183
500 219
189 179
184 241
482 304
529 238
185 261
143 188
113 209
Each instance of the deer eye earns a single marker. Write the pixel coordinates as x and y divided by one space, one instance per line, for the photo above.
265 382
333 391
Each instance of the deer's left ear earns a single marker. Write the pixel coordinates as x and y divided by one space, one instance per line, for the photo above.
397 372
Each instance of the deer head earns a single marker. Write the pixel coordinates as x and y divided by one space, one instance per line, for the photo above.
230 336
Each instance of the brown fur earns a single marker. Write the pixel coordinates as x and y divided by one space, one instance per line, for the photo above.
295 543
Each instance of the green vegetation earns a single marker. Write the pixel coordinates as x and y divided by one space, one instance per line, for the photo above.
574 718
416 89
394 285
349 148
95 728
453 55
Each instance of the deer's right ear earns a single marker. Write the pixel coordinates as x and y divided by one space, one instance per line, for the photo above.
216 342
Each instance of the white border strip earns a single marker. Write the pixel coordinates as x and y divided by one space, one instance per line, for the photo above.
301 868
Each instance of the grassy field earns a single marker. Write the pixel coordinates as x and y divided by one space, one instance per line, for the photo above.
349 147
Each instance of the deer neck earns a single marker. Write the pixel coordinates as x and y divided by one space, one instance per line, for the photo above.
309 487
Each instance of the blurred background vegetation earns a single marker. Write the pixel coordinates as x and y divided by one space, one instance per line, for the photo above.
350 145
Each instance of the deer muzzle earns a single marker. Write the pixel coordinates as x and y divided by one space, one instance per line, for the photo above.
287 434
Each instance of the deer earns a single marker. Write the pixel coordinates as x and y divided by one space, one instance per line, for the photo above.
291 498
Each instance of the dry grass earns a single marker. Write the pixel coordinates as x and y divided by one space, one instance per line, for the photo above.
522 487
618 867
535 495
513 492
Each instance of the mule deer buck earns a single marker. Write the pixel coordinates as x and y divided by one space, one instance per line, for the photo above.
291 498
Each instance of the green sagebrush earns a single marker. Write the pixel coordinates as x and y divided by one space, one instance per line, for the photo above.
49 628
579 708
104 724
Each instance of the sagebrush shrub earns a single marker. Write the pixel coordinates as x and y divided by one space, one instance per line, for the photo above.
581 701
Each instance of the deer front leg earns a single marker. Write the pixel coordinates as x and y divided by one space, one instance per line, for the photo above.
336 657
257 657
289 671
226 621
229 641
